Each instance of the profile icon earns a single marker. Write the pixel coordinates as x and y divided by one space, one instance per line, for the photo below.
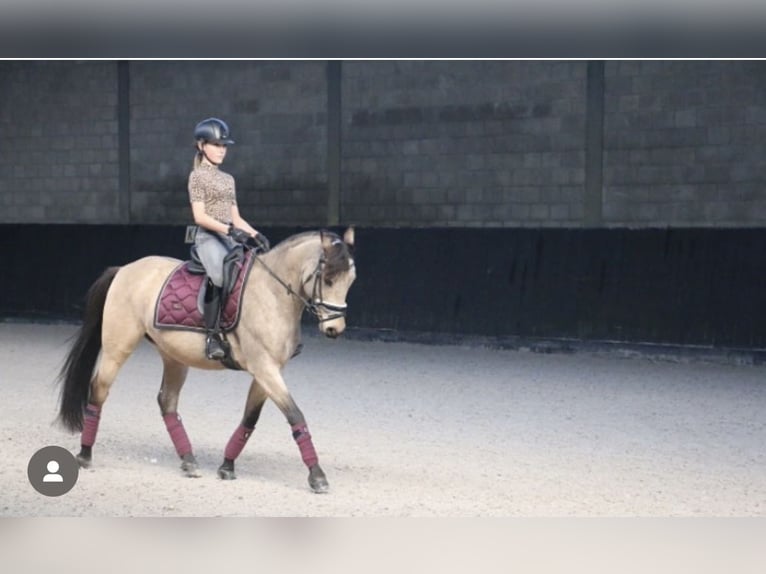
53 471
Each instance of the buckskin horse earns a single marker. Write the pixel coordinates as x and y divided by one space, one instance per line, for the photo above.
312 270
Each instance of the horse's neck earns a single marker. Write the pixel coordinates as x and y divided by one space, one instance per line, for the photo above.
292 261
279 272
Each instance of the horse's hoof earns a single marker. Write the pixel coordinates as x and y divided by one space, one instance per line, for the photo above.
85 456
190 470
318 480
226 470
226 474
189 467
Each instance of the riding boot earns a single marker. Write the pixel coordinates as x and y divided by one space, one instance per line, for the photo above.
212 315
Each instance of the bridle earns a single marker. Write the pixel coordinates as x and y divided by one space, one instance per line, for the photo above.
337 310
317 302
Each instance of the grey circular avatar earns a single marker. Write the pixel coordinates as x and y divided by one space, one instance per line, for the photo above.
53 471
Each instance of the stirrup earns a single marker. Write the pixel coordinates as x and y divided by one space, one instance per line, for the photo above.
214 348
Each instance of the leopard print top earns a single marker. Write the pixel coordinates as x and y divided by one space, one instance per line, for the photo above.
216 188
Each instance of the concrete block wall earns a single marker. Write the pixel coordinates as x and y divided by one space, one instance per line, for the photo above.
422 143
685 143
277 114
58 142
467 144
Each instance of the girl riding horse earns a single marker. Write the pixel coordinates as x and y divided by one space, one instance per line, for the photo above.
220 227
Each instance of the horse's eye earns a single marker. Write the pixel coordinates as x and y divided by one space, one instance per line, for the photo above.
328 282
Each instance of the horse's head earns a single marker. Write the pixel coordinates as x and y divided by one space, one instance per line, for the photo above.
332 279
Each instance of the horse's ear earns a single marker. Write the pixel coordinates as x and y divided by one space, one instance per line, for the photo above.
348 237
326 239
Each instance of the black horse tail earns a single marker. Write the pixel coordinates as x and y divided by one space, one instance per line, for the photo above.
77 371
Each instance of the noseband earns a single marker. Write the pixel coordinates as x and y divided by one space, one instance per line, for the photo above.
317 302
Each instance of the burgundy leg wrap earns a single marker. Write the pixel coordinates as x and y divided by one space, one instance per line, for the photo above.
177 433
237 442
305 445
90 425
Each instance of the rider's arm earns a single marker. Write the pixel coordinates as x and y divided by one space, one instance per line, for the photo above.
237 220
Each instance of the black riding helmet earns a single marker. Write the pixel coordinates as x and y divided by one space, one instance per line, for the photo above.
213 130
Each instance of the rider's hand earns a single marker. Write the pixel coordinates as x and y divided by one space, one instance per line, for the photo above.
261 241
239 235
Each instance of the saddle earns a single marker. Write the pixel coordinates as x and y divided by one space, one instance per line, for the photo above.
179 304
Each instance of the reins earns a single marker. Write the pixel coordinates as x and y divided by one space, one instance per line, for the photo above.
316 302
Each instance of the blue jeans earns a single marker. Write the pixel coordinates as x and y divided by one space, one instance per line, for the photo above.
212 248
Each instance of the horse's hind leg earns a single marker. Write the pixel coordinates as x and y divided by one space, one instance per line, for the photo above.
173 378
255 399
99 390
112 360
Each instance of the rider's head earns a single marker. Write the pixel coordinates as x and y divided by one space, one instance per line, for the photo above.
212 136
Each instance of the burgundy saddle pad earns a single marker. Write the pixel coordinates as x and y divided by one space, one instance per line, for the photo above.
176 306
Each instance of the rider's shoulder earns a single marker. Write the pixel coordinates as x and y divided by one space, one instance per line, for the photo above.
201 173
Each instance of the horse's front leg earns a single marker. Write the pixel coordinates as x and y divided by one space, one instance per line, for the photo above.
317 479
255 399
273 385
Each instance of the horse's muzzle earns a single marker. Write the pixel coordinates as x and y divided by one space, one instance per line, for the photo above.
333 330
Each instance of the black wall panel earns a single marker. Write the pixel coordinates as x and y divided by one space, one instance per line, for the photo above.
695 286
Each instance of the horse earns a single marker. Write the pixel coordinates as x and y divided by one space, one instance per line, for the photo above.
311 270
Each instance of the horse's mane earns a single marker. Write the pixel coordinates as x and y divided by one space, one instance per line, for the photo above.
338 257
297 238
